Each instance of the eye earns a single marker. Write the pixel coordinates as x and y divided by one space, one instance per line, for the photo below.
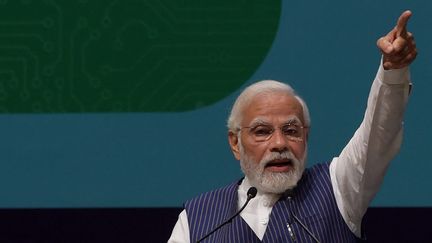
261 131
291 130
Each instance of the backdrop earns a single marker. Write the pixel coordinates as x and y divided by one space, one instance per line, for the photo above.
124 103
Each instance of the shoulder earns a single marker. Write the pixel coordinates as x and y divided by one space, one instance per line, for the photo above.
316 179
211 207
320 169
218 195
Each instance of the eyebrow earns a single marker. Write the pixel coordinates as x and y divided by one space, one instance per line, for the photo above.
258 121
261 121
293 120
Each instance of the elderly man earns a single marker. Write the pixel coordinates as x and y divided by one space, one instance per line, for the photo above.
268 133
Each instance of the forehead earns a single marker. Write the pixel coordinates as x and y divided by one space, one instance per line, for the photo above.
273 107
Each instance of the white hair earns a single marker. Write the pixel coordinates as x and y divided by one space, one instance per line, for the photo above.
262 87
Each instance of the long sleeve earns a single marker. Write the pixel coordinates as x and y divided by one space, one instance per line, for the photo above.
180 233
360 168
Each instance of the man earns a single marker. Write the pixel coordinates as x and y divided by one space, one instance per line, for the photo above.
268 133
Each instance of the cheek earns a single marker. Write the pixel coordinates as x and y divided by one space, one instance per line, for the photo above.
254 151
258 153
298 149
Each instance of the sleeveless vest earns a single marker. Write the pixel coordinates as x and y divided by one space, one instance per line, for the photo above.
313 203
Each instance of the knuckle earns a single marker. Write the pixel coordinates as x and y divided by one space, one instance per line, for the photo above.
379 41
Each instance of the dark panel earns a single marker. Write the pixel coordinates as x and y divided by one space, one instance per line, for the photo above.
155 225
87 225
398 224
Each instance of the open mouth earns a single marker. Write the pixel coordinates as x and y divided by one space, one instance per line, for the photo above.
280 165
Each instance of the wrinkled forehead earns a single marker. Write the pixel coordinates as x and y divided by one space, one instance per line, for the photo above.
273 108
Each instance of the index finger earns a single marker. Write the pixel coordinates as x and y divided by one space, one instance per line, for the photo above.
402 23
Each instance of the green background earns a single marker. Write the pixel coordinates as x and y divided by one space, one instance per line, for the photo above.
129 56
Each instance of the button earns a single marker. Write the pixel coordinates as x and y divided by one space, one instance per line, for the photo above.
264 221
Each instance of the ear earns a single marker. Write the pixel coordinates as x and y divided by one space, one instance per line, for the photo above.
233 141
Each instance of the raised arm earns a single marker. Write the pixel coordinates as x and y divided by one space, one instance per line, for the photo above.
359 170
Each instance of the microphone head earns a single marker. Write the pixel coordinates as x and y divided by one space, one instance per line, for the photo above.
251 193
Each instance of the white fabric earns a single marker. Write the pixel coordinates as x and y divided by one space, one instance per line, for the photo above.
257 212
358 171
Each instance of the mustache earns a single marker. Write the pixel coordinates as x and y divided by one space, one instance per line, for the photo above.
287 155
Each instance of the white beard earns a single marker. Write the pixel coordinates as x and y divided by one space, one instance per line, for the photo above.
272 182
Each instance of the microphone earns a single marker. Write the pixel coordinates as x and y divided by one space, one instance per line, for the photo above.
251 193
290 194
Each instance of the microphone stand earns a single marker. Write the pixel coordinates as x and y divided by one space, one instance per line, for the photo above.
290 194
251 193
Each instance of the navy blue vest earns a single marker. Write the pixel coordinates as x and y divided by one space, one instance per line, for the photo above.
313 203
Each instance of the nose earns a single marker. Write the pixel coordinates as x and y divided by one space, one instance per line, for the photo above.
278 142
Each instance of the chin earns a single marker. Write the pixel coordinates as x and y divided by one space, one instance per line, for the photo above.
267 181
277 182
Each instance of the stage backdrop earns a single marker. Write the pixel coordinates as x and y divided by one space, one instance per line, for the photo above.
124 103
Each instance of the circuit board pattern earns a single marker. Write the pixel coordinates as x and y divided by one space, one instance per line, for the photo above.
130 55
